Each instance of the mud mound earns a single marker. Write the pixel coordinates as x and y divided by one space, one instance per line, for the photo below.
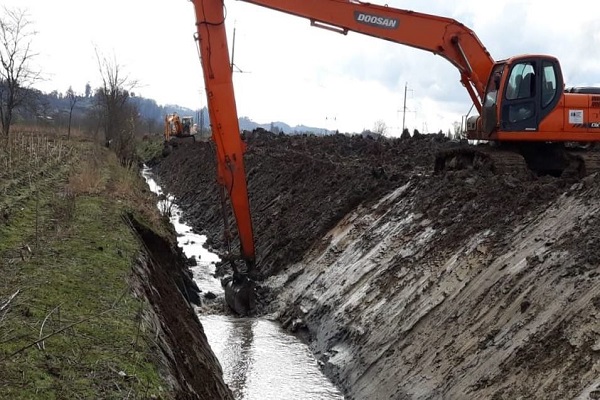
463 203
301 186
584 241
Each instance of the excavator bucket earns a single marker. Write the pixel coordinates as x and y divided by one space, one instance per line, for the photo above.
240 295
240 287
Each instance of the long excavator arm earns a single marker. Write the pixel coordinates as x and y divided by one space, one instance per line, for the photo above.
231 175
533 117
438 35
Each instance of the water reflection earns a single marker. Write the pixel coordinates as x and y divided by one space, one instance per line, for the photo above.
191 243
260 360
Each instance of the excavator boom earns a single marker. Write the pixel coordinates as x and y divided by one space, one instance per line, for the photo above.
231 175
438 35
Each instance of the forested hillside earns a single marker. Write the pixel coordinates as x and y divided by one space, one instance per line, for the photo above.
54 108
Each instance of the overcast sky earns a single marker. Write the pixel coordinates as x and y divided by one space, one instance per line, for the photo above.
302 75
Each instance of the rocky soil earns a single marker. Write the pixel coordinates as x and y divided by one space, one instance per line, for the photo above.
410 284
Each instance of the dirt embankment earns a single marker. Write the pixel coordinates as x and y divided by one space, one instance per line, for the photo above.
185 355
409 284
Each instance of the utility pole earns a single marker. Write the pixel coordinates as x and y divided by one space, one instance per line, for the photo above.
233 49
201 122
404 109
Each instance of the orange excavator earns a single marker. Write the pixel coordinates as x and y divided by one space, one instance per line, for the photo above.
522 101
176 126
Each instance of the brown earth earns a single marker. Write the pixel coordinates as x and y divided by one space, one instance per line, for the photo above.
460 241
194 371
299 186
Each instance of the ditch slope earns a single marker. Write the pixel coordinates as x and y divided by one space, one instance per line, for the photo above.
409 284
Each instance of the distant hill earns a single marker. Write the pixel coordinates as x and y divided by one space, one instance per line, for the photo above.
277 126
54 108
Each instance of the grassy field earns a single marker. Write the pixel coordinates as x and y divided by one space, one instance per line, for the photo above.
70 324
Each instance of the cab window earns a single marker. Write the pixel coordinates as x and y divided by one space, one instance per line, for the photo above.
521 83
491 91
548 83
521 92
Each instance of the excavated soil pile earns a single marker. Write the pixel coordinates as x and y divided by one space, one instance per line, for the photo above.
301 186
489 281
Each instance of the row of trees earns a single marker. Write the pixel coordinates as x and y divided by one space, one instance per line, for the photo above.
110 106
111 109
56 109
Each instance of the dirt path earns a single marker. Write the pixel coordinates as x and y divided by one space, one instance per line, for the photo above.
414 285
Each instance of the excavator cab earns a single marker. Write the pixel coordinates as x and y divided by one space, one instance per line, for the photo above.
527 109
187 123
521 92
532 90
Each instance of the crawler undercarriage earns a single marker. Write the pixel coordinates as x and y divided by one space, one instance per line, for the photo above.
539 159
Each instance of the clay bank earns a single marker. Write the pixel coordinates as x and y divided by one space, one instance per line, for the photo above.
412 285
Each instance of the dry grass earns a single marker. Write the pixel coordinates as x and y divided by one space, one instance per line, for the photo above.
26 151
87 178
99 171
126 186
123 184
66 256
77 134
34 152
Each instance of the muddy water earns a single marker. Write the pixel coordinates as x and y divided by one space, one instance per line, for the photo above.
259 359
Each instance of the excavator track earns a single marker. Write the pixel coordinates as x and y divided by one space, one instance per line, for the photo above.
482 158
521 160
583 163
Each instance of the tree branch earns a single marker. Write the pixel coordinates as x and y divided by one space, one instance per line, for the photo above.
44 323
9 300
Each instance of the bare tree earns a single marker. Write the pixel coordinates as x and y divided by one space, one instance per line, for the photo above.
380 127
94 118
17 76
458 131
72 101
120 117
